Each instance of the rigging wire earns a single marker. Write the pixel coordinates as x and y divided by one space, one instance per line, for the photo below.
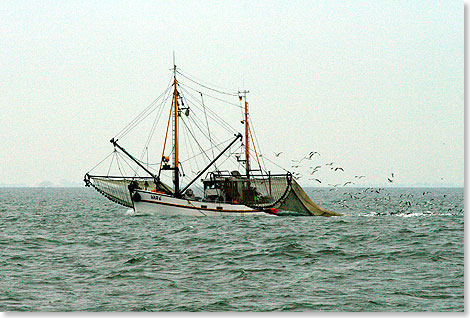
207 87
200 153
219 99
112 159
212 114
184 133
118 165
197 125
154 126
141 116
133 169
101 162
276 164
256 139
256 152
164 144
192 150
207 123
184 122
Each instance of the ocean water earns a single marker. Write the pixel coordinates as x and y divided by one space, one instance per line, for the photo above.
70 249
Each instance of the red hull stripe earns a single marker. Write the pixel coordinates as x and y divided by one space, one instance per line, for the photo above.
205 209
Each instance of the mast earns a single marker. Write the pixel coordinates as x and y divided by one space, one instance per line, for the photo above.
175 133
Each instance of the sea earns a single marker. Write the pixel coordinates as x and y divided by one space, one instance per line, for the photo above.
394 250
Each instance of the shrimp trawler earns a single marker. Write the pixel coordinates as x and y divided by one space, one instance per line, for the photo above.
212 168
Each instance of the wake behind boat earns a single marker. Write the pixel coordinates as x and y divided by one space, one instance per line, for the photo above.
223 189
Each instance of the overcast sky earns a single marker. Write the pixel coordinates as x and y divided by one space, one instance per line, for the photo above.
375 86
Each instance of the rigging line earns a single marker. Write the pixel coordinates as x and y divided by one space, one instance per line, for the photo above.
199 124
101 162
192 150
119 167
130 166
256 152
185 142
256 139
217 98
257 158
205 82
212 114
208 130
137 118
228 157
164 144
276 164
184 122
198 154
212 89
152 131
193 118
143 117
112 159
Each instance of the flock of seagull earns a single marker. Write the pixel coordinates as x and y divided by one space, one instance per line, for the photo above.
402 204
296 163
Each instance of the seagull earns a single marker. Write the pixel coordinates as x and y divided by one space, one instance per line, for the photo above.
313 153
349 182
389 180
329 164
359 177
315 169
317 180
338 168
277 154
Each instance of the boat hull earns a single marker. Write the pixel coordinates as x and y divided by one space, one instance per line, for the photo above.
146 202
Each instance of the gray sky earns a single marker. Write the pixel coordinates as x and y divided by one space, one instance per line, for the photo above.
376 86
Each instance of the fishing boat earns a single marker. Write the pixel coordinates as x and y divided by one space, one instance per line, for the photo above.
227 178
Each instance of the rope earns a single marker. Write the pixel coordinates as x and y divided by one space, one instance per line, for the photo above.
164 144
139 118
209 88
101 162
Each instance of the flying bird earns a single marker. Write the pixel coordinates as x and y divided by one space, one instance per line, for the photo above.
389 180
312 153
346 183
277 154
359 177
338 168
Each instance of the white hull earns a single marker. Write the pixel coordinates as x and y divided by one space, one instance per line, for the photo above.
160 204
